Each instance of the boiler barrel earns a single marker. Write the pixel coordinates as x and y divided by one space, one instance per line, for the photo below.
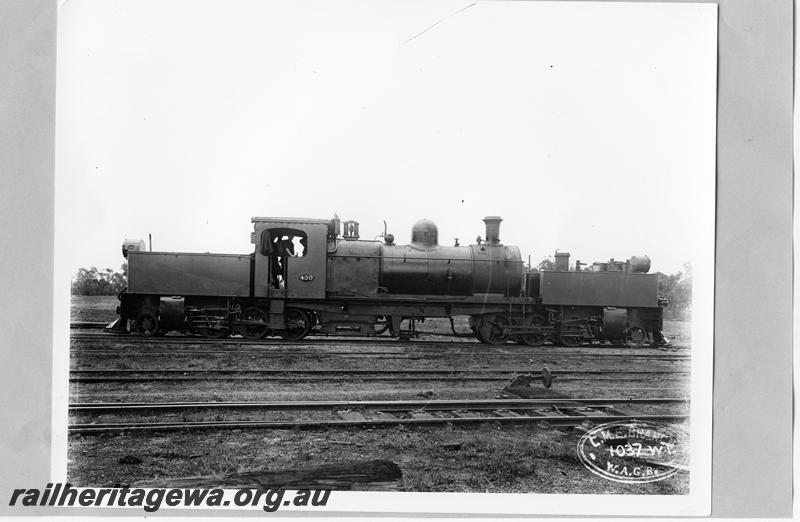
497 270
406 269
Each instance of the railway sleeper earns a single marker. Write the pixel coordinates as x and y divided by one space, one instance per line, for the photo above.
544 420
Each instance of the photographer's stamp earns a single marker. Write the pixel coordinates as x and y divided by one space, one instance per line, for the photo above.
632 451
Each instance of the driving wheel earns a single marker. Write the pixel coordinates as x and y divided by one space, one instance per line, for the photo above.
255 320
491 329
146 324
534 339
298 324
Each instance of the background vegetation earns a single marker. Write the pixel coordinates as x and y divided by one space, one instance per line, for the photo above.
677 288
92 281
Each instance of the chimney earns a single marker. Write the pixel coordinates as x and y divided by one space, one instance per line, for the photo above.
562 261
492 229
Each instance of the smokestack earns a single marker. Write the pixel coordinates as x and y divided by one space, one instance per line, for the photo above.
493 229
562 261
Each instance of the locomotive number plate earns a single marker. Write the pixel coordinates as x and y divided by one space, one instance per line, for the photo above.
305 277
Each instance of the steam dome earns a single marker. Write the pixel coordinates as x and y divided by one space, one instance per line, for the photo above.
424 234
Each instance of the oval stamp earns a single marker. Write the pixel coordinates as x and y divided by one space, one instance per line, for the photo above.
632 451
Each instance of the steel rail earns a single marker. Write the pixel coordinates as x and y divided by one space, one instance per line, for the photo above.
356 376
299 378
361 371
345 379
315 340
415 351
311 340
400 405
79 325
266 355
374 355
548 420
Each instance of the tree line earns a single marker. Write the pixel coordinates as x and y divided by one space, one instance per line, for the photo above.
91 281
677 289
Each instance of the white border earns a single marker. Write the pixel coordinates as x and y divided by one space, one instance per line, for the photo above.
697 502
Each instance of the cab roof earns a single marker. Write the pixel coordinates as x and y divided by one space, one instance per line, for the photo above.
305 221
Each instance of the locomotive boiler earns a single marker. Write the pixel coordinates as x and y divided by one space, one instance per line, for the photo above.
317 276
424 267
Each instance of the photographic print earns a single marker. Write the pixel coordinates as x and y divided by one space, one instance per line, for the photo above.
457 253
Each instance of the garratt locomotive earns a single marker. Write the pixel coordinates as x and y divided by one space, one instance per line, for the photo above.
309 276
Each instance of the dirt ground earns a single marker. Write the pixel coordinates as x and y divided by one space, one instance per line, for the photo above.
485 458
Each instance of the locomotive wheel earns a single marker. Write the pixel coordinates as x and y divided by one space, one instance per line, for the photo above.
534 339
634 337
298 325
254 314
491 330
382 325
213 332
146 324
571 340
572 334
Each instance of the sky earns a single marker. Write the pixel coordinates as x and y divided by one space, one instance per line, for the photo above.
589 127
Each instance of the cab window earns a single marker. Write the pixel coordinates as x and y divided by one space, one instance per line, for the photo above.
282 244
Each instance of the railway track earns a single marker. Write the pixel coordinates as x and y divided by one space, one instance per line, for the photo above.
294 375
271 341
405 350
542 412
414 405
375 355
87 325
316 341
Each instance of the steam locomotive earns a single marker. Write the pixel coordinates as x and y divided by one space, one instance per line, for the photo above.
310 276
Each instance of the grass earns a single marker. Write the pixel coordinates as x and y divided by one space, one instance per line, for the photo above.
486 458
93 308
